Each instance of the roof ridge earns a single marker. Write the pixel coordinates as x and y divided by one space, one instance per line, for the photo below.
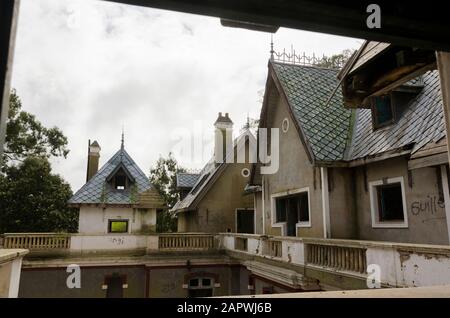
336 70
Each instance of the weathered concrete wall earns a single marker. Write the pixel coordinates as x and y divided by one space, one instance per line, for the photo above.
295 172
426 214
94 220
261 284
51 282
217 210
342 206
161 282
168 282
10 269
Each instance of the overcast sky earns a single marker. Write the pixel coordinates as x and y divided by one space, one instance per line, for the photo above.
90 67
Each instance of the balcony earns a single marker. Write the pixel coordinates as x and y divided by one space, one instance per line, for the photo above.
344 263
303 263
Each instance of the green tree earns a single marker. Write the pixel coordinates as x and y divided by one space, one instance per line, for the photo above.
336 60
164 177
32 199
26 136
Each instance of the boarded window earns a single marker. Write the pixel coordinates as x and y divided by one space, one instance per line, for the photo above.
118 226
390 202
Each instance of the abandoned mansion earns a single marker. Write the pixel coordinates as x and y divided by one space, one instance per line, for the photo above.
359 187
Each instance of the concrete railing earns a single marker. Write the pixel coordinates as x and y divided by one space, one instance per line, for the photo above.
396 264
79 244
34 241
337 257
186 241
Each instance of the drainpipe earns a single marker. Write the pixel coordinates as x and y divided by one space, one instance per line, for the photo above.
445 189
262 207
325 203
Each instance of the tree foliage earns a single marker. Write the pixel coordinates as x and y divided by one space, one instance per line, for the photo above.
164 177
26 136
32 199
335 60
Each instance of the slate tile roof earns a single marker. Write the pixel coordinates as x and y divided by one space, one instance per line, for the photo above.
308 88
327 130
96 190
208 171
421 123
186 180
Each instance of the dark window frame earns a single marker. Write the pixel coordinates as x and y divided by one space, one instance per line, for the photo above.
110 221
375 123
285 202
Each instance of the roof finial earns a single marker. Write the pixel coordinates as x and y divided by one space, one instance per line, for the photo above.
271 48
123 139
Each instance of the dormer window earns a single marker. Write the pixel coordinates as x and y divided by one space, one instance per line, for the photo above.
120 179
382 111
120 182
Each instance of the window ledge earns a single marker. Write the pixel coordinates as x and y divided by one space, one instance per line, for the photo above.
390 225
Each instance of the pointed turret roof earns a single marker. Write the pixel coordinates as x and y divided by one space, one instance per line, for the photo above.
99 191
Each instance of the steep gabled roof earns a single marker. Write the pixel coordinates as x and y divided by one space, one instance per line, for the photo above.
207 176
98 191
333 134
307 89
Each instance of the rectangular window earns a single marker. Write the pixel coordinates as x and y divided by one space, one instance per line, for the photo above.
245 221
387 199
293 210
390 206
117 226
382 111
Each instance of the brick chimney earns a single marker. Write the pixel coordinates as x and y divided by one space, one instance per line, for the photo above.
93 159
223 141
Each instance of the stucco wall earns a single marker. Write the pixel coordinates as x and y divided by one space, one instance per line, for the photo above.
342 207
426 215
295 172
217 210
94 220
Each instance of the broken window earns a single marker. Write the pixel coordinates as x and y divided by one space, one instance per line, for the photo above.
382 111
294 211
390 202
117 226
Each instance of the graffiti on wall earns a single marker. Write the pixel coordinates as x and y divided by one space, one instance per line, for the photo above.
429 206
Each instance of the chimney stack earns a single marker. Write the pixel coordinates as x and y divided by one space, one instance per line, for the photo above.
93 159
223 141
